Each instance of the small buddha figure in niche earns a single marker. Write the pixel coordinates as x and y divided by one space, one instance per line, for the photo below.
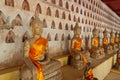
36 56
106 45
96 51
10 37
78 58
17 21
1 19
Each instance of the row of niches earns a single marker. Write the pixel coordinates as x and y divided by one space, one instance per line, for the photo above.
64 15
10 36
53 24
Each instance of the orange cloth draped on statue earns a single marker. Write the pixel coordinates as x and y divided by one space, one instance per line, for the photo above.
77 46
117 40
94 43
36 51
112 40
89 75
105 42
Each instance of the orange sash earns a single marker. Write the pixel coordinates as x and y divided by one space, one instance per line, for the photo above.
77 44
36 51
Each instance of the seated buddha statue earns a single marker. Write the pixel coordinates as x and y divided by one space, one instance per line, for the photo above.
116 41
36 57
106 45
78 57
96 51
112 41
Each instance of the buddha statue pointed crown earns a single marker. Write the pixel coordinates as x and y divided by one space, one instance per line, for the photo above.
77 28
105 32
112 34
116 34
95 31
36 20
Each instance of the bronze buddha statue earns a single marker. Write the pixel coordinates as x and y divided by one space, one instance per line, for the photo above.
36 57
106 44
96 51
78 57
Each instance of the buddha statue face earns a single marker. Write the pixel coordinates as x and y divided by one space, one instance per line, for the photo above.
36 26
77 30
37 30
95 32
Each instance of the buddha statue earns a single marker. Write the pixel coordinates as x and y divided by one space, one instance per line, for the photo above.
37 61
116 42
106 45
78 58
112 42
97 52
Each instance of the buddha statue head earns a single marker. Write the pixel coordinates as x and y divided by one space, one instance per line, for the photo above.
112 34
36 25
105 33
77 30
95 32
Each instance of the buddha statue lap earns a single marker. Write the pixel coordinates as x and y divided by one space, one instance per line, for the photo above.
106 46
96 51
78 58
38 65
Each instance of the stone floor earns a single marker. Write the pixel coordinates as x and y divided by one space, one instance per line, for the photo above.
113 75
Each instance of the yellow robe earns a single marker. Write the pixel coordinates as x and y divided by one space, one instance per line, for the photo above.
36 51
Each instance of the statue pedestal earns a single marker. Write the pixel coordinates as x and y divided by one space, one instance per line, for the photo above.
52 71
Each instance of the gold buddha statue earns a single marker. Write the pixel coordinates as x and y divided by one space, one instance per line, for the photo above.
96 51
78 58
36 56
106 45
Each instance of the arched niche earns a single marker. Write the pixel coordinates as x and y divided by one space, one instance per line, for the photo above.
74 19
25 5
10 37
69 37
53 1
44 23
63 15
9 3
48 37
17 21
53 25
79 19
38 8
69 17
79 1
60 3
72 8
48 12
57 13
67 5
77 9
60 25
56 37
66 27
